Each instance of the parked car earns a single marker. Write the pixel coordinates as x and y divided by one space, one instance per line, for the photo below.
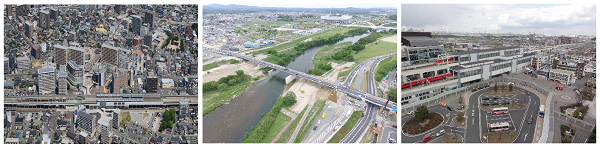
315 128
495 98
559 88
485 98
411 112
494 103
441 132
425 139
473 90
442 104
390 140
485 104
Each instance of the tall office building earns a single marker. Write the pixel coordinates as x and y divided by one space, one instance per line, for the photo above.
9 11
53 13
110 54
119 9
86 122
60 54
75 54
149 19
75 71
47 79
151 84
28 29
23 63
62 82
136 24
22 10
44 17
6 66
148 40
35 51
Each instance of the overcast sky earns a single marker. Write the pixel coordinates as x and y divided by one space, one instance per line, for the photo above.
568 19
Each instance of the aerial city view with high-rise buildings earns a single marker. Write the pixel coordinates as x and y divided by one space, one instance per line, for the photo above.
101 74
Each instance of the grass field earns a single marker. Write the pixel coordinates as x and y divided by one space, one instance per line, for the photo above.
145 115
353 81
288 133
325 53
214 99
385 62
309 120
323 34
364 85
280 122
126 117
379 49
346 128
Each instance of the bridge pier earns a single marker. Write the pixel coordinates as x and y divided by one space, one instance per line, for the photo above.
259 66
289 79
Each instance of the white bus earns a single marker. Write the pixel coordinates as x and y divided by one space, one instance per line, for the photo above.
498 127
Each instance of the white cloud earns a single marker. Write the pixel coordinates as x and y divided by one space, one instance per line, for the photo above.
552 16
489 18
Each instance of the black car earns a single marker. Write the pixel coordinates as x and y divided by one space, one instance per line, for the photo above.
473 90
505 103
530 120
494 104
485 98
315 128
485 104
495 98
449 108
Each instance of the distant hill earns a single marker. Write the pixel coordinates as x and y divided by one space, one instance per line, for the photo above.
234 9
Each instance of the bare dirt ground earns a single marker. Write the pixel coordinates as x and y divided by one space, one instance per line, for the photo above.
337 68
393 39
302 99
225 70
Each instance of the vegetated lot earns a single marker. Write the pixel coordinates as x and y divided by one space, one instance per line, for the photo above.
125 118
457 123
346 128
316 36
279 123
217 64
384 67
451 138
259 131
582 109
288 132
213 100
309 120
345 74
325 53
566 138
381 48
269 23
413 126
500 137
364 85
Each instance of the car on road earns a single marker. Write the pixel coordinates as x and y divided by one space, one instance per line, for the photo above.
450 108
411 112
390 140
315 128
425 139
440 133
527 92
530 120
559 88
442 104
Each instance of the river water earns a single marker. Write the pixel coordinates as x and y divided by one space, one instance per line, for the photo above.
229 123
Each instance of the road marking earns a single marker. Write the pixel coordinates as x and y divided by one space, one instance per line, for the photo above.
525 137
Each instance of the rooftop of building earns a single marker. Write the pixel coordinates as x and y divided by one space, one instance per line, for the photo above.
482 51
562 71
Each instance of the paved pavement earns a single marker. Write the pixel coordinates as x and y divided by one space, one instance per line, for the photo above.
447 120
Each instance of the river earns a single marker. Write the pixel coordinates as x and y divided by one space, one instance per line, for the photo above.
229 123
